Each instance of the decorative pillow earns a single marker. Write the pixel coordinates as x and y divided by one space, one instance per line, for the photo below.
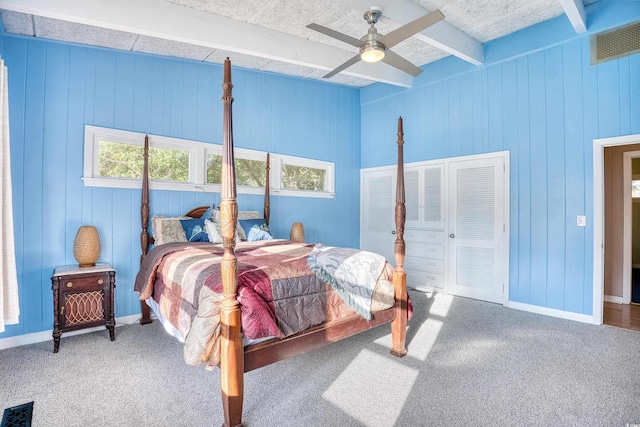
212 231
241 215
247 224
194 230
240 234
208 214
167 230
256 233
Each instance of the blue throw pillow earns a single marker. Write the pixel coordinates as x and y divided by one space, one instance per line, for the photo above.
207 214
247 224
195 230
256 234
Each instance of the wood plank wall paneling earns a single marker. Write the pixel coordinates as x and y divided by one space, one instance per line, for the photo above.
57 88
546 108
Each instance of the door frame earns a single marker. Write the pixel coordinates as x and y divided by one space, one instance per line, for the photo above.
627 224
598 220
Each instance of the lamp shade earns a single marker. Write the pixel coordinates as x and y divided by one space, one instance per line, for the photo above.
86 246
372 54
297 232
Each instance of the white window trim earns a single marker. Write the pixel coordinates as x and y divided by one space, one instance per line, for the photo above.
198 152
277 160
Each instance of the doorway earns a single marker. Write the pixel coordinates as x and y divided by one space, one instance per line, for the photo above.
613 237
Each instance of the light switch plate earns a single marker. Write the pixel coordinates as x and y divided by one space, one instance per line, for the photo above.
582 221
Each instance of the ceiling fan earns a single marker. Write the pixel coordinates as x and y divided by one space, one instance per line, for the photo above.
375 47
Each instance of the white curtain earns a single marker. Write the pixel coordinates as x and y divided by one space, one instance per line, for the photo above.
9 308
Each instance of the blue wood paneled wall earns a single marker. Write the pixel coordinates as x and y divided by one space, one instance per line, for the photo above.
56 88
546 107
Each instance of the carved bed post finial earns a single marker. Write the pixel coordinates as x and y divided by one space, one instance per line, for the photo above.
399 325
231 349
267 204
144 217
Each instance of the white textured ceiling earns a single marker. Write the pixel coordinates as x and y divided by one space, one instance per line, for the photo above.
262 24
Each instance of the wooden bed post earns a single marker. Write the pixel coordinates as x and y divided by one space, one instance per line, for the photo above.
399 325
231 349
144 215
267 204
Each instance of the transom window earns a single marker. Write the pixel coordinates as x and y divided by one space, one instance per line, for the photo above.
119 160
114 158
249 173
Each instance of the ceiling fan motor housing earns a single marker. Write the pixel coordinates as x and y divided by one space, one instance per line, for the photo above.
371 50
372 16
371 44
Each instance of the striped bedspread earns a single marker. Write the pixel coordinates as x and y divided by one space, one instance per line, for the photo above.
278 293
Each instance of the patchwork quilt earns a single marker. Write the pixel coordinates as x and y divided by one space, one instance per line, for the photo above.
279 294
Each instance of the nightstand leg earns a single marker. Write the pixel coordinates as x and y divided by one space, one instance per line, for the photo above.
56 341
111 332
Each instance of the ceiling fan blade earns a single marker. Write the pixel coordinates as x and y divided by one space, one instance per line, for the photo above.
347 64
335 34
413 27
400 63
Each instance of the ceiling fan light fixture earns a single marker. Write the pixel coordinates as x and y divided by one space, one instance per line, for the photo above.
372 53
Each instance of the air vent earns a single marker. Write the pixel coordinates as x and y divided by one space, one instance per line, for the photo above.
617 43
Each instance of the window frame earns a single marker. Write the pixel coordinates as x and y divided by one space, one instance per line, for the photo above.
198 152
278 160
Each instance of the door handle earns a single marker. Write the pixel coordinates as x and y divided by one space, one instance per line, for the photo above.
453 236
393 232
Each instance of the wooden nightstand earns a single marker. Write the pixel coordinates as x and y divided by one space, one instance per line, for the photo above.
82 298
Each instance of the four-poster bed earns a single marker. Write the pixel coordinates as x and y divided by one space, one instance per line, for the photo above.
235 357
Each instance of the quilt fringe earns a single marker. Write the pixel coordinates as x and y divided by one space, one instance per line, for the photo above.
325 276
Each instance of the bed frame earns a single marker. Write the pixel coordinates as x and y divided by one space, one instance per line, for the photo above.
236 359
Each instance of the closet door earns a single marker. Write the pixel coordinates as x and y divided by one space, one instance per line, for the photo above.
424 191
377 225
433 192
414 202
476 229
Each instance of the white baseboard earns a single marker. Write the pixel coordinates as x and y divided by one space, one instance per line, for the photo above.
47 335
611 298
585 318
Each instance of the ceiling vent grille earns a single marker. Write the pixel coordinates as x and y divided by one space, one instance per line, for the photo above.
617 43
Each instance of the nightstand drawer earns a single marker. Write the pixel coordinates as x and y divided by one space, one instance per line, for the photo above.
76 284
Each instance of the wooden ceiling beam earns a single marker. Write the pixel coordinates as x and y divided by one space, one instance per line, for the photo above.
575 11
165 20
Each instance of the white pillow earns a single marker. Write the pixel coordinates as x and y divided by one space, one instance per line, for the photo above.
212 231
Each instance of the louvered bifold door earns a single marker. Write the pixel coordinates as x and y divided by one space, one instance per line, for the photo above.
377 232
424 197
476 227
413 203
433 212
